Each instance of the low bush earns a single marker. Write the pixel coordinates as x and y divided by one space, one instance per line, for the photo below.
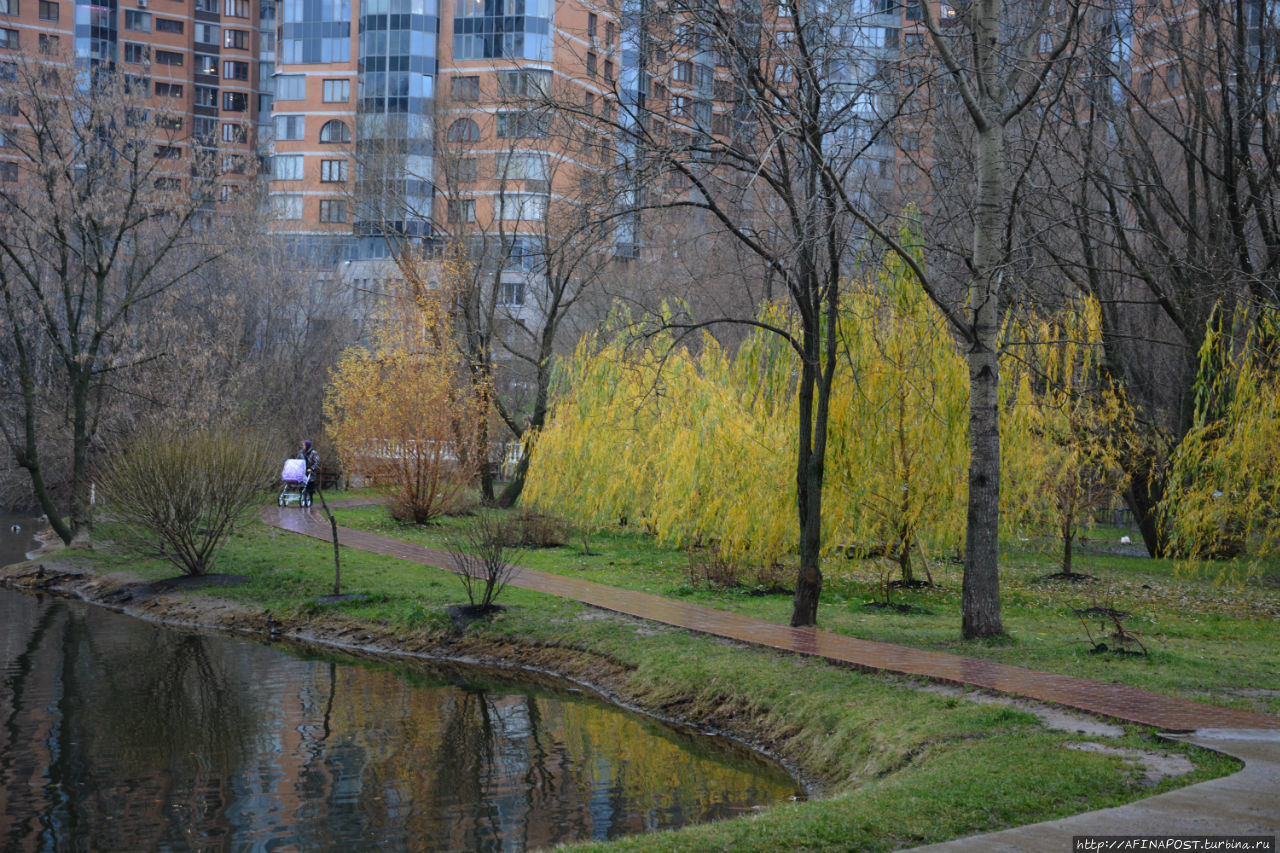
185 492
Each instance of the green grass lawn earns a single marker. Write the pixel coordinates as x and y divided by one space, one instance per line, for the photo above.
1206 640
876 748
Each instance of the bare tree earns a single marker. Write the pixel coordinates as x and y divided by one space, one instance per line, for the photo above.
103 209
1166 167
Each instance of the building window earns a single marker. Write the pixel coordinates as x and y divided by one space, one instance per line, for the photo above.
133 51
168 152
237 39
233 164
591 64
233 132
286 167
522 167
682 71
522 125
291 87
236 8
204 129
8 7
462 170
337 91
333 171
680 106
168 57
522 207
529 83
591 25
168 184
48 10
333 210
290 127
608 33
206 96
608 71
8 172
235 102
235 70
207 33
287 205
139 22
511 294
168 25
462 210
464 130
465 89
206 64
169 121
49 44
335 131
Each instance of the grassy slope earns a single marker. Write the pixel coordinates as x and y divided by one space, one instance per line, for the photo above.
879 750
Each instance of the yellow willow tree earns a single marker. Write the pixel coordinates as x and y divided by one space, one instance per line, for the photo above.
694 447
1066 427
402 411
1227 468
898 423
591 460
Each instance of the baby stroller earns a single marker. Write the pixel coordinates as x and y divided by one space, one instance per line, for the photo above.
295 483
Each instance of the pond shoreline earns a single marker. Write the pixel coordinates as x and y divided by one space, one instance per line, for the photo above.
61 574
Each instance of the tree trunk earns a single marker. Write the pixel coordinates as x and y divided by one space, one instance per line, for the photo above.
980 591
804 606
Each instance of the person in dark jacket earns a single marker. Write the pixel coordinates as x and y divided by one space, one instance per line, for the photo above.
312 457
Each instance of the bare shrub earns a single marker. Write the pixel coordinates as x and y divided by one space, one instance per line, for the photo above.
531 529
188 490
483 556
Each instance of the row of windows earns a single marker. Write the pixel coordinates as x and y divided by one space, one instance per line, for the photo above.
509 207
524 83
288 167
518 124
289 206
293 87
293 127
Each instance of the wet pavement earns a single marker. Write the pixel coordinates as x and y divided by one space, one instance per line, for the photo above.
1117 701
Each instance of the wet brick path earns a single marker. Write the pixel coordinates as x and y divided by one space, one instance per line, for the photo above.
1110 700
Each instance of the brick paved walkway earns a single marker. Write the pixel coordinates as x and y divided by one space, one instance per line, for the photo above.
1109 700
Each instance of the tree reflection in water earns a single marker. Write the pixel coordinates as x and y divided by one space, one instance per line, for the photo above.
121 735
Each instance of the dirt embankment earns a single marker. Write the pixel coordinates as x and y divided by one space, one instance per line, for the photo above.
164 602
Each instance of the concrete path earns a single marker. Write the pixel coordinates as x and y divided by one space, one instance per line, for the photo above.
1244 803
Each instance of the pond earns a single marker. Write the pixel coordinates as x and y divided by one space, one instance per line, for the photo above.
116 734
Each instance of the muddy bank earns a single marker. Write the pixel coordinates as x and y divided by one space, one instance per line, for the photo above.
164 602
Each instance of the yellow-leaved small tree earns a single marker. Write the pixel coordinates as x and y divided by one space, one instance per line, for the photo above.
402 411
1065 426
898 423
1227 469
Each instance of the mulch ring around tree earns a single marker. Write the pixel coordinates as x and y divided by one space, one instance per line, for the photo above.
1070 577
462 615
182 582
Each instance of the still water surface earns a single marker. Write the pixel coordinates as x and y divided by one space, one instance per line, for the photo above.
120 735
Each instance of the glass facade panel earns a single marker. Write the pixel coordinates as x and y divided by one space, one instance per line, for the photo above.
495 29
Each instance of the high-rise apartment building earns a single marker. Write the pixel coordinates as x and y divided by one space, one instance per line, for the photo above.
199 61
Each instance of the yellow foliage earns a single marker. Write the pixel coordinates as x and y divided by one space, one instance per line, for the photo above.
700 448
1225 482
897 448
1064 426
401 411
